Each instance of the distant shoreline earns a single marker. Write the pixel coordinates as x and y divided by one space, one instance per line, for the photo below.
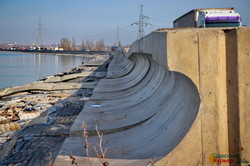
58 52
42 72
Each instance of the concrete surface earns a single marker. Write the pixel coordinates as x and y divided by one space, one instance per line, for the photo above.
143 114
217 61
204 71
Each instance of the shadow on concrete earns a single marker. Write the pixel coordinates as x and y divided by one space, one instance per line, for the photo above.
233 92
143 110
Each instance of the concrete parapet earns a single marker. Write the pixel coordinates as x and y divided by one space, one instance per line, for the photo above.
217 61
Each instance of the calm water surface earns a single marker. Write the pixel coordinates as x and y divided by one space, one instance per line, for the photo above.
22 68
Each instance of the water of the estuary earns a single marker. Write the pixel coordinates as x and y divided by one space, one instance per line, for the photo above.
21 68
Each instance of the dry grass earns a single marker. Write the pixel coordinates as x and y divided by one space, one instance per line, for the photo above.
86 144
99 152
151 163
73 160
103 153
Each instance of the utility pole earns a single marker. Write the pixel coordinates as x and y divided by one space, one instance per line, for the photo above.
141 23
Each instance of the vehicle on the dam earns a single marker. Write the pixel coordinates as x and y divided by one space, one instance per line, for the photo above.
114 48
206 18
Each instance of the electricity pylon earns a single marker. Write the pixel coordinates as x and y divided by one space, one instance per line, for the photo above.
141 23
39 34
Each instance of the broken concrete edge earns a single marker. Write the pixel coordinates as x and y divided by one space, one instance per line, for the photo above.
50 83
40 86
54 84
68 77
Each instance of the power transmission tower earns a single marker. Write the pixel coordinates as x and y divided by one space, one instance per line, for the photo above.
39 34
141 23
118 37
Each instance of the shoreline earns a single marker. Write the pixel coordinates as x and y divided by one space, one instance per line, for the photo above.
95 57
87 57
59 52
44 117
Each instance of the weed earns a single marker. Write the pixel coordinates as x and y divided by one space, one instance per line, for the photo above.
103 153
73 160
99 152
151 163
86 144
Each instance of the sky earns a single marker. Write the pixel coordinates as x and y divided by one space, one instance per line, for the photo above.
96 19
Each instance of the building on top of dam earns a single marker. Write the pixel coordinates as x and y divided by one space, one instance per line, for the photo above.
205 18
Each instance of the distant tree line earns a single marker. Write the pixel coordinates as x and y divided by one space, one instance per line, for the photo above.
68 44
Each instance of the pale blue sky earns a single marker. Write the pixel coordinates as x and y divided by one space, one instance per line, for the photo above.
96 19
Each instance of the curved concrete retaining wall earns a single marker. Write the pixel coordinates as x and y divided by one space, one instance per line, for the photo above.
147 106
142 109
217 61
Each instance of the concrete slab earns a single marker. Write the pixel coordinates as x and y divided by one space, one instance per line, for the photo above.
143 125
119 66
75 146
127 81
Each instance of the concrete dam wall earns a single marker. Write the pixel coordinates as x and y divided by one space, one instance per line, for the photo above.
217 61
142 109
179 97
